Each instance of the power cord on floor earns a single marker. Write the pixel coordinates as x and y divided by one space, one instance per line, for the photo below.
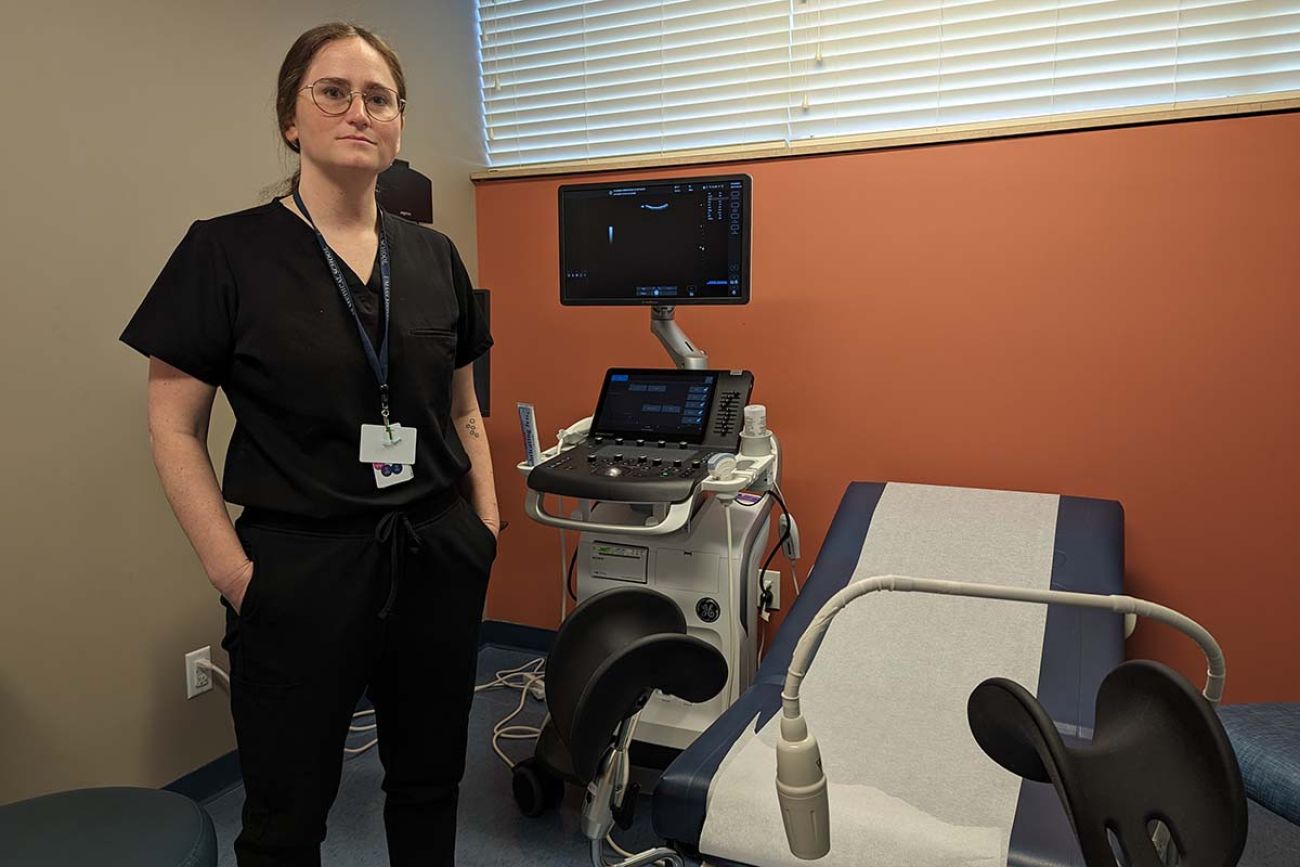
609 839
529 679
356 751
526 678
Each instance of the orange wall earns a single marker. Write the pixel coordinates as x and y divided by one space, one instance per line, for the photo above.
1106 314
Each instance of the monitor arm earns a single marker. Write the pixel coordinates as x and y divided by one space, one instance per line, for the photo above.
685 355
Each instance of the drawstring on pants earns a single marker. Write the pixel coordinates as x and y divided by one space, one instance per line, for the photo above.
395 529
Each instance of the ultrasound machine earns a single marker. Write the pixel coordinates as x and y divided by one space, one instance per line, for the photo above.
671 481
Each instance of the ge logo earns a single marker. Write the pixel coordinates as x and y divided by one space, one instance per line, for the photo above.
708 610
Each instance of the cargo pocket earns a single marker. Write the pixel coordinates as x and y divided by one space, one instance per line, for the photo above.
275 735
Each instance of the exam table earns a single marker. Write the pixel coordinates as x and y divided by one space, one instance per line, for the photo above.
1079 648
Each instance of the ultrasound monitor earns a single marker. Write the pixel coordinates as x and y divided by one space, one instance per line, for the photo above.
671 242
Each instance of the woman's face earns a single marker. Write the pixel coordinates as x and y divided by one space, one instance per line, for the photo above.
352 140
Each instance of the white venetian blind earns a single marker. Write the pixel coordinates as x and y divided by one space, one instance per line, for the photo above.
567 81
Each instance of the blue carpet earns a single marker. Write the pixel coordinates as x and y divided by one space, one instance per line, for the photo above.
492 832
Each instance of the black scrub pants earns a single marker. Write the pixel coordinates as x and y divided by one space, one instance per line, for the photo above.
386 605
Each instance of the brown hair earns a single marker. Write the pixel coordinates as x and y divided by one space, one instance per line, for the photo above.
299 59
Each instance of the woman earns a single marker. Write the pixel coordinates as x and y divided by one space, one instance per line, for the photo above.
343 338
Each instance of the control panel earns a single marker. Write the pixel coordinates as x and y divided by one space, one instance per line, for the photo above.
652 434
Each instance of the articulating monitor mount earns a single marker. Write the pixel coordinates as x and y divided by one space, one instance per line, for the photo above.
678 345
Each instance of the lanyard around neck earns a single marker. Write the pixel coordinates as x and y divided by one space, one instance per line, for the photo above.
378 360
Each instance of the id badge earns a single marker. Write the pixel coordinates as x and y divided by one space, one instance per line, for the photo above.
387 475
377 448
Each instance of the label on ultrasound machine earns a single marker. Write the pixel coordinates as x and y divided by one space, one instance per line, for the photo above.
620 562
528 427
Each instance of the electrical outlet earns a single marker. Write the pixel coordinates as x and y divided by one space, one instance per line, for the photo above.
198 678
772 581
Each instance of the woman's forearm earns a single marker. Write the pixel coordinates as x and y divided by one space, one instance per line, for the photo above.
479 484
190 484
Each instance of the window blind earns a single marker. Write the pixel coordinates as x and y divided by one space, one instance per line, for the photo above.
568 81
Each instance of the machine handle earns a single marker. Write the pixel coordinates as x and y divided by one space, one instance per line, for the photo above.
678 515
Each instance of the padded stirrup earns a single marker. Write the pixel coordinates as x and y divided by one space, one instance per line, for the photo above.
1159 754
610 654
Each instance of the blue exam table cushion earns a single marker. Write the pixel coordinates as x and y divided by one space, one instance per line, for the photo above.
1266 739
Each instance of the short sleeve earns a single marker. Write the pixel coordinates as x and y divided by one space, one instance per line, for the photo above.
187 319
472 335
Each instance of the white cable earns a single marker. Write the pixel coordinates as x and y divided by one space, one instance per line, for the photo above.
776 460
530 676
609 838
215 669
530 671
358 715
356 751
523 678
501 730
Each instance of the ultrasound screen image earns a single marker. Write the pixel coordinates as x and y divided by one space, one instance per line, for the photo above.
673 242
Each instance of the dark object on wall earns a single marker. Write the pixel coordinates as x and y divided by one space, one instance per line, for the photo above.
406 192
482 368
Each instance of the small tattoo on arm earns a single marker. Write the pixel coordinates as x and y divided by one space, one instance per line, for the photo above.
471 427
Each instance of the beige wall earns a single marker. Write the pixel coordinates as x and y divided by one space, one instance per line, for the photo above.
124 122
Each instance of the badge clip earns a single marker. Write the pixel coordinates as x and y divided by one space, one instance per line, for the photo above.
383 411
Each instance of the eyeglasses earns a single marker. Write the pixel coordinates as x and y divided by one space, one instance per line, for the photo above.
333 97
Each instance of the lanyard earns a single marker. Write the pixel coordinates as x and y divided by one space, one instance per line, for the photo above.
378 361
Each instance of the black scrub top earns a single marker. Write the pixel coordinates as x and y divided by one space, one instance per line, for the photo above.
247 303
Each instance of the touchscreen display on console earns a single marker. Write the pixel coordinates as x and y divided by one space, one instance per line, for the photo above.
668 405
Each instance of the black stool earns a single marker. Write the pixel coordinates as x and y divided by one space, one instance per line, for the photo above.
113 827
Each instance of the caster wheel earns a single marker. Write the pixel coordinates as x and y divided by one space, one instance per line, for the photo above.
534 789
